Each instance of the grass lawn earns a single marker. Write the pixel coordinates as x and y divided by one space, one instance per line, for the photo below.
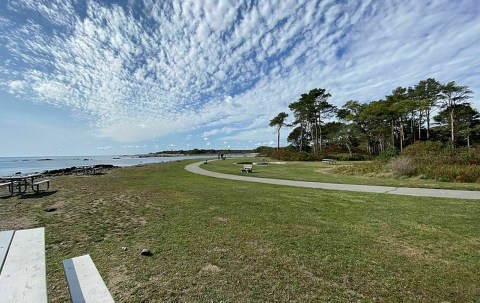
320 172
218 240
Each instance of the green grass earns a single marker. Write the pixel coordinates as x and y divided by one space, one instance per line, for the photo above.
217 240
320 172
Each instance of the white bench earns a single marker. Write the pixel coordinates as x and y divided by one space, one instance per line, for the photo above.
328 161
247 168
22 266
84 282
36 185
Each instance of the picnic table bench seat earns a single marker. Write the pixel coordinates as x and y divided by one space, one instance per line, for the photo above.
36 185
6 184
22 266
247 168
84 282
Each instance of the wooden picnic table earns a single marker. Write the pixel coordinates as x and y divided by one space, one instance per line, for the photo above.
22 266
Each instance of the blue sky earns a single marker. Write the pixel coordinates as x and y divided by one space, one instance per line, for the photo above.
83 77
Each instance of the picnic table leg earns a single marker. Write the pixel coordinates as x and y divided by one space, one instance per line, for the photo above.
25 185
11 188
18 185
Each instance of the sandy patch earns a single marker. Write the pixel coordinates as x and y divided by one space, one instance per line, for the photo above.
211 268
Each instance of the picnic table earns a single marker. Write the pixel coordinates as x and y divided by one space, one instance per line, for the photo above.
328 161
19 183
90 170
23 271
22 266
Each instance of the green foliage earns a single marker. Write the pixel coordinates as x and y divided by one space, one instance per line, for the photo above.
425 149
289 155
442 162
388 154
352 157
451 173
264 150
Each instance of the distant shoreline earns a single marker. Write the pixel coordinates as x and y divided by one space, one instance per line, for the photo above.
14 165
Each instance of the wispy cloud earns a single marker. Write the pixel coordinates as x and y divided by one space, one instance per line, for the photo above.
224 68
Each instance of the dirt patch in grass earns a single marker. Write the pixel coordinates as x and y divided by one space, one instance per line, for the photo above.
211 268
17 223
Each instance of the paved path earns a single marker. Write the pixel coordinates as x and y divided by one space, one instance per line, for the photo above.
407 191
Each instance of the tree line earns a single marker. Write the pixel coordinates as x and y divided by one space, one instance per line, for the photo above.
398 120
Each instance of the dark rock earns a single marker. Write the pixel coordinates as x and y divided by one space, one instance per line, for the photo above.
50 209
146 252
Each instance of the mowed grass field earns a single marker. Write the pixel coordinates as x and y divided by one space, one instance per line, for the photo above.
228 241
320 172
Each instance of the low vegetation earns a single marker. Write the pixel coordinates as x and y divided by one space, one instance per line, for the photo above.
228 241
435 161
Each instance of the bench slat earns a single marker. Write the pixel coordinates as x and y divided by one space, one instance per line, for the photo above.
84 282
41 182
5 240
23 277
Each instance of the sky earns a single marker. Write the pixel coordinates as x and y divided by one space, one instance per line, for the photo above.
91 77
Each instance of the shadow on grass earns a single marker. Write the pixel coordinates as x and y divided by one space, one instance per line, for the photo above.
38 195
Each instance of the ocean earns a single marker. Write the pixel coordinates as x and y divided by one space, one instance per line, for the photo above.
12 165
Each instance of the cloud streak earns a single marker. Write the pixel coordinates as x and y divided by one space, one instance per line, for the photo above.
224 68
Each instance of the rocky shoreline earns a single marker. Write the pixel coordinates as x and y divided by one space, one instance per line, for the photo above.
76 169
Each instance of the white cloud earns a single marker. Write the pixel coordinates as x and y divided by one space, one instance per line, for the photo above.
16 85
223 68
105 148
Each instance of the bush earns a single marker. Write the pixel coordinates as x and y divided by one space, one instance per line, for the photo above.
452 173
289 155
424 149
401 166
388 154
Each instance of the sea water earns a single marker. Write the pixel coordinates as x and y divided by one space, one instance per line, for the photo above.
12 165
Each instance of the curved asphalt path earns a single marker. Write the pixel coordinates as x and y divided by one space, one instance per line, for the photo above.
406 191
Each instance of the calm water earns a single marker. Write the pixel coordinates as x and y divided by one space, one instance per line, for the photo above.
11 165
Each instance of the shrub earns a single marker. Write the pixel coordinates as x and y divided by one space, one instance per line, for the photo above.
401 166
425 149
452 173
289 155
388 154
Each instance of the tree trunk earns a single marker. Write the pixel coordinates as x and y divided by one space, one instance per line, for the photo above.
420 125
402 133
301 136
452 126
393 134
278 138
412 126
320 137
349 149
428 123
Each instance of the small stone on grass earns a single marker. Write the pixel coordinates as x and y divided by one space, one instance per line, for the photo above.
146 252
